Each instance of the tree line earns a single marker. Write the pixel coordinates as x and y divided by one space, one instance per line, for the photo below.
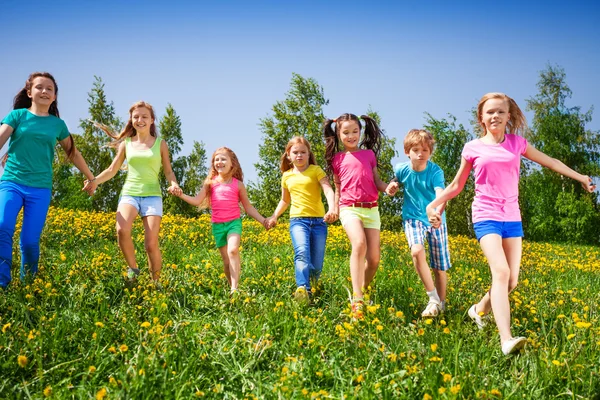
553 208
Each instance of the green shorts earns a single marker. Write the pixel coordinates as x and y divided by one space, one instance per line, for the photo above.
368 216
222 230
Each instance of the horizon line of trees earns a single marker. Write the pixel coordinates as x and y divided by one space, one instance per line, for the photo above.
553 208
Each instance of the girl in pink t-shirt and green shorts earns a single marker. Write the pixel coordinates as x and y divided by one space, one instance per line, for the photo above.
495 160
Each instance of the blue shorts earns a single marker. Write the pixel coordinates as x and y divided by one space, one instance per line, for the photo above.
439 253
505 230
145 206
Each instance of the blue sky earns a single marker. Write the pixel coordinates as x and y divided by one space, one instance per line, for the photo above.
224 64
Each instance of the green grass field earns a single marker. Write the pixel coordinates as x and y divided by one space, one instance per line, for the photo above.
76 331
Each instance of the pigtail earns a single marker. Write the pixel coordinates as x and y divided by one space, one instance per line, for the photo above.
331 144
517 123
110 132
372 135
286 163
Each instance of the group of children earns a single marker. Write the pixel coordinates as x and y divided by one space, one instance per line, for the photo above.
351 156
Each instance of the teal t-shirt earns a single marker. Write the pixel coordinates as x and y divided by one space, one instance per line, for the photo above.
31 147
419 189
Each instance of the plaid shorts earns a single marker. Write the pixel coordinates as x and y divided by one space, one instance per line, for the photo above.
439 253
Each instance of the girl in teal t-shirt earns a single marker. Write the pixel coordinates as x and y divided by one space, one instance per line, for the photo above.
141 194
34 127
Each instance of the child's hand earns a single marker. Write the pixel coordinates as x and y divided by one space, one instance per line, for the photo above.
587 184
433 216
392 188
89 186
330 217
175 190
270 222
436 221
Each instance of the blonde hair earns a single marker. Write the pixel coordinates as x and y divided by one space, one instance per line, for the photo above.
418 136
286 163
129 130
517 124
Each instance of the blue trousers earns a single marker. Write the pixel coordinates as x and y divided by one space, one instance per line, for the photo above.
308 238
35 203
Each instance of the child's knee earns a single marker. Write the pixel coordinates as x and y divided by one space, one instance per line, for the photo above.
151 245
512 284
123 232
416 250
233 251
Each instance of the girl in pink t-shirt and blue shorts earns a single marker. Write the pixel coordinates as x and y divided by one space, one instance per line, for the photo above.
495 159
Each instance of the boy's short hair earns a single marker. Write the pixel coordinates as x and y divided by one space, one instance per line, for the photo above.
418 136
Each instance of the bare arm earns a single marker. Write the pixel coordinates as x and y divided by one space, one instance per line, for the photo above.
453 189
77 158
168 170
5 132
556 165
194 200
248 207
332 214
92 184
381 185
336 197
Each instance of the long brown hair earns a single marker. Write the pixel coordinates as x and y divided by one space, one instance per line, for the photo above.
129 130
235 172
286 163
22 100
517 123
372 136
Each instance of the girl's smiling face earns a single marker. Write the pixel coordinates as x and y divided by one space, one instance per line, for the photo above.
495 116
222 164
141 118
298 155
349 135
43 91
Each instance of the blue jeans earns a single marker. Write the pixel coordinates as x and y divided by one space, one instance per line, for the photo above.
308 238
35 203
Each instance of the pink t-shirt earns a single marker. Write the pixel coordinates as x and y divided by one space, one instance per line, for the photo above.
496 169
355 171
224 201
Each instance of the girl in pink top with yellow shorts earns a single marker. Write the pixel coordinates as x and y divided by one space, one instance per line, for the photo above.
495 160
223 191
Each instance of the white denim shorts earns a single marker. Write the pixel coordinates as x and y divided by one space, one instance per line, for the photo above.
145 206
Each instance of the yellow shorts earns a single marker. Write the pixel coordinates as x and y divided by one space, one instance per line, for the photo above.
368 216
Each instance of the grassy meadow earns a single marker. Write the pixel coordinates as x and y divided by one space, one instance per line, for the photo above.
76 331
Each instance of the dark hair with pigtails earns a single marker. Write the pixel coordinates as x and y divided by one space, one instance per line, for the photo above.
371 136
22 100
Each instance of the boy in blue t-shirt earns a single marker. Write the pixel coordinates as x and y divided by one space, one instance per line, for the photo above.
423 180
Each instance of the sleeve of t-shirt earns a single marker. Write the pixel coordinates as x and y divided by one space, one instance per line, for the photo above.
522 144
438 178
372 159
335 164
467 153
398 172
12 119
64 131
284 181
320 173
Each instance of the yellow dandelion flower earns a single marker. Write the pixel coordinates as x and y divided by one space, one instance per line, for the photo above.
496 392
101 394
455 389
145 324
446 330
556 362
5 327
112 349
92 369
379 327
427 396
399 314
99 324
571 336
123 348
360 378
47 391
22 361
434 347
582 324
442 390
447 377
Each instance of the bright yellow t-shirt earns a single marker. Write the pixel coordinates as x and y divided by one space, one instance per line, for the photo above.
305 191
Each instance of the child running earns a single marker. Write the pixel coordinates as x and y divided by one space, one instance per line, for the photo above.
357 184
33 127
301 186
422 181
145 153
495 159
223 190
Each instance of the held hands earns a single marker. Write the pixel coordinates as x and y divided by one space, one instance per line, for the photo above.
270 222
434 217
330 217
175 190
90 186
587 184
392 188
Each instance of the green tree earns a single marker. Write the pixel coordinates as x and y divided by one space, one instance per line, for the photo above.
450 140
92 145
299 114
547 198
68 182
169 127
195 170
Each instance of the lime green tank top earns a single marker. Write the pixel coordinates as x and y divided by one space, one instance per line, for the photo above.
143 167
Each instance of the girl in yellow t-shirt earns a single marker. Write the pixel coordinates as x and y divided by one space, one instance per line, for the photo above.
301 185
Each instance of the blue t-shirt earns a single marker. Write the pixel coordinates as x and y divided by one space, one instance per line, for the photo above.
31 147
419 189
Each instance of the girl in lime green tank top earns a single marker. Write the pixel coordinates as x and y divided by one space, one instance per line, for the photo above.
145 154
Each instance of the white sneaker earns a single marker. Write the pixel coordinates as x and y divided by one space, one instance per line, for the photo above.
513 345
476 317
433 309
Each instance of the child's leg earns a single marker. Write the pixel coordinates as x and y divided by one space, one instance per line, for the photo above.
492 246
417 251
358 241
151 231
35 209
233 253
300 235
318 240
225 258
11 202
373 255
126 214
439 256
441 283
